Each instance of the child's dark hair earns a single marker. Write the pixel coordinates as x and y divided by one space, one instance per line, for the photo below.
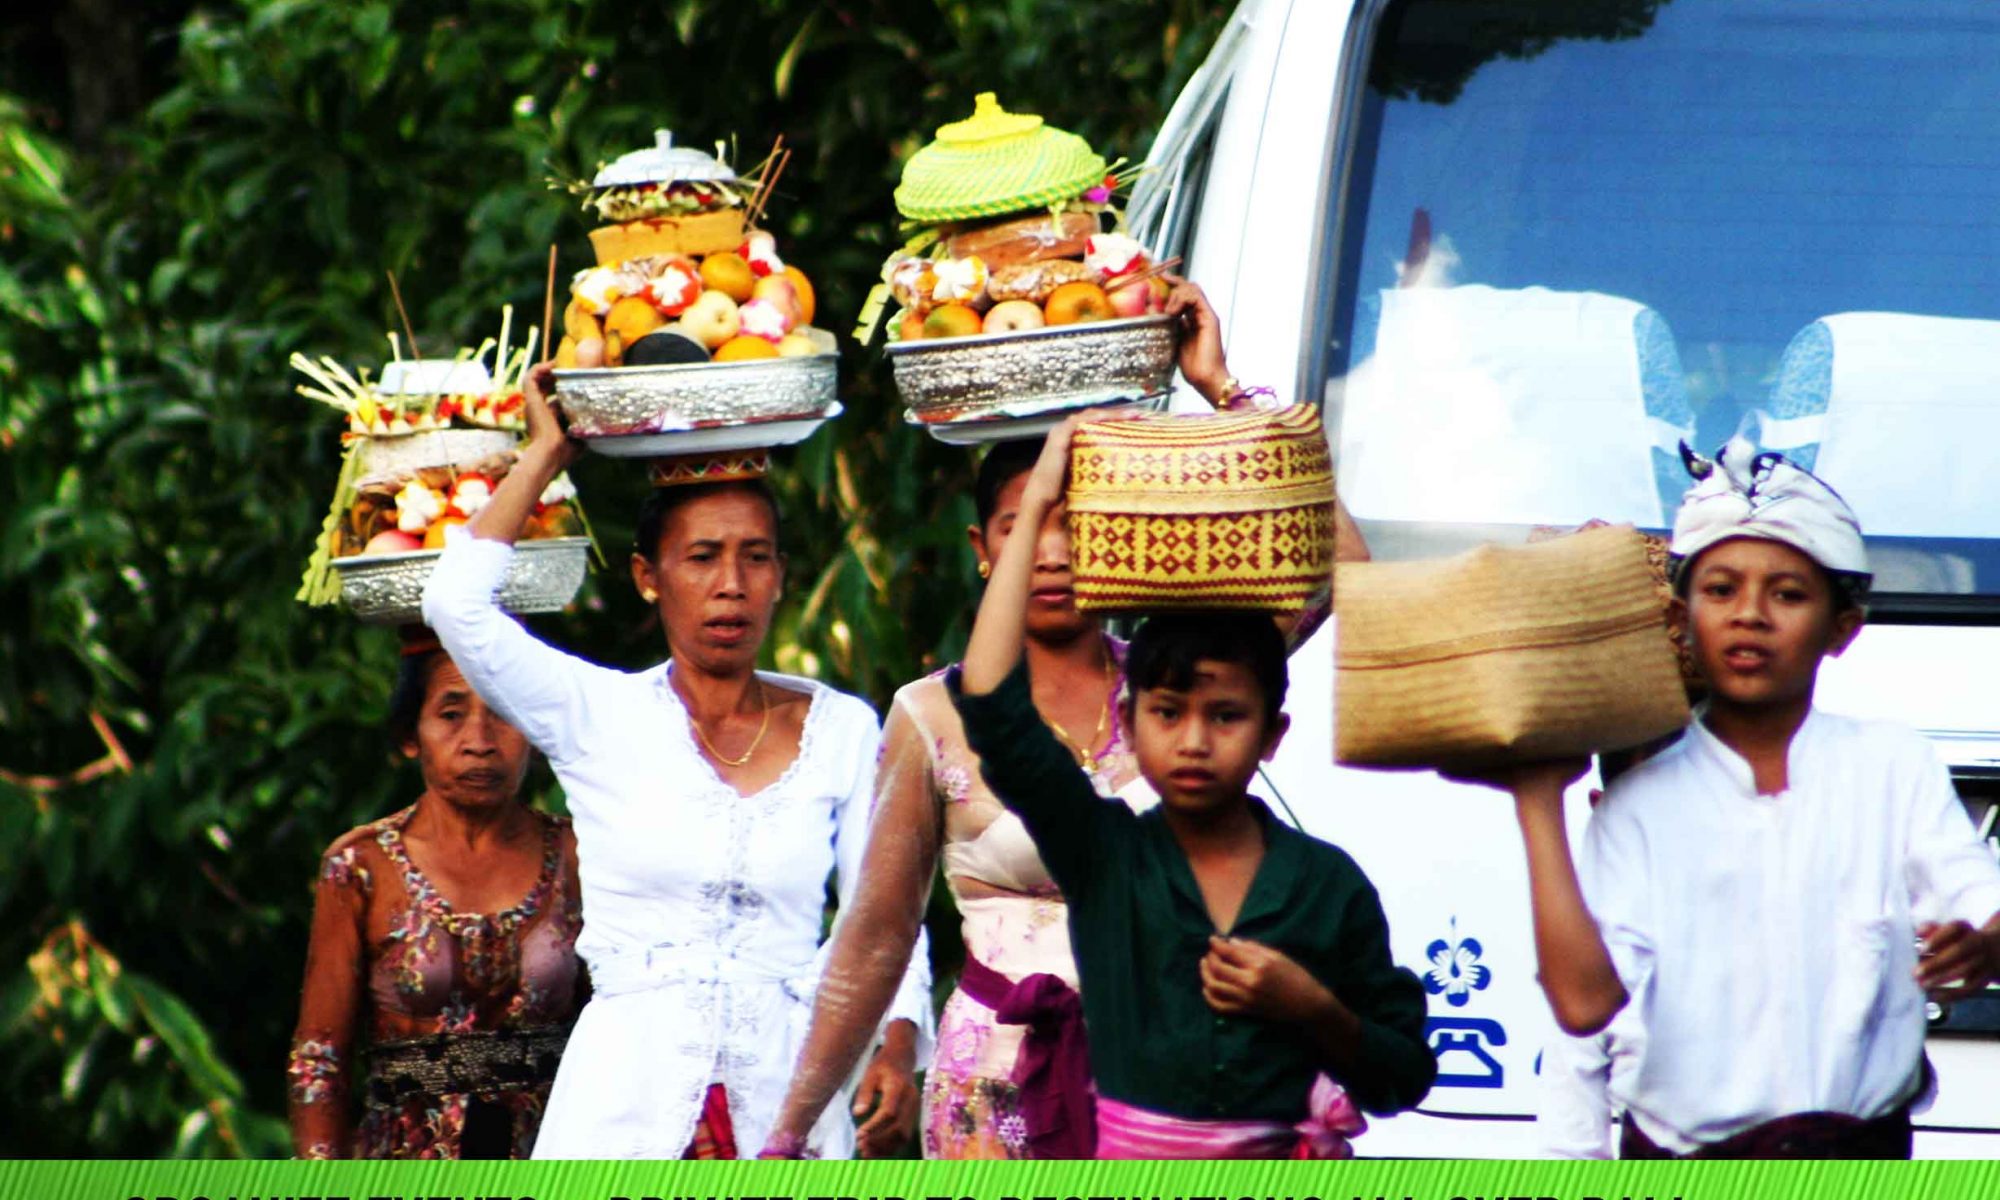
662 502
1166 648
1002 464
406 698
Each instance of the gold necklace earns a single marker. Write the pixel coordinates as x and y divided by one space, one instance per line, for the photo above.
765 699
1082 753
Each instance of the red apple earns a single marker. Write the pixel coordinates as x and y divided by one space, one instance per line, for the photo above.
778 290
393 541
1132 300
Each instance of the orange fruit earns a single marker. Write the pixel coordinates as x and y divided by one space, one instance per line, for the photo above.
911 327
808 304
557 520
728 273
743 348
1078 301
434 536
631 319
953 320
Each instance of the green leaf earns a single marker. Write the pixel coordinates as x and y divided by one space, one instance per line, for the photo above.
781 79
371 23
185 1037
192 1139
113 999
76 1068
686 16
87 300
40 163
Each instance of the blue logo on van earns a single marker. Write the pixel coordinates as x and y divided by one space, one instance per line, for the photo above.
1460 1046
1455 972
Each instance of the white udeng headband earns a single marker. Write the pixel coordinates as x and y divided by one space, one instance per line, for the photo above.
1741 493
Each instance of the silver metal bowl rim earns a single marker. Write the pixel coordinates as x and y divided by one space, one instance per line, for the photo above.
1045 333
669 371
985 430
1145 401
537 545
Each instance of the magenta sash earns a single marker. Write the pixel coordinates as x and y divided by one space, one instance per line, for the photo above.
1052 1069
1127 1131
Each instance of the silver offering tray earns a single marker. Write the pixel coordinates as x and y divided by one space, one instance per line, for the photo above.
388 588
624 402
1034 373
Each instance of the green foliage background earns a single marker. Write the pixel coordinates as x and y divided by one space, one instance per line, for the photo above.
190 192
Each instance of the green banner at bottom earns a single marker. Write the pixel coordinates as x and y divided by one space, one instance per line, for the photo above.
1377 1180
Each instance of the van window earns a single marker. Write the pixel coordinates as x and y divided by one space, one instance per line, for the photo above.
1169 193
1580 233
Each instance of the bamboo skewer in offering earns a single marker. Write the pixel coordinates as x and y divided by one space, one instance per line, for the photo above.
549 303
1153 272
767 183
396 294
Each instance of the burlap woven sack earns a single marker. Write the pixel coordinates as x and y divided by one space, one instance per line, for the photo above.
1657 562
1504 654
1209 510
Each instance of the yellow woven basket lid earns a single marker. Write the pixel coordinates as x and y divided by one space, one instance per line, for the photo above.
1223 510
993 163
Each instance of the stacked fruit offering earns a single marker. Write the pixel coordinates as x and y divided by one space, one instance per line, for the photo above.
426 446
683 275
1013 219
424 508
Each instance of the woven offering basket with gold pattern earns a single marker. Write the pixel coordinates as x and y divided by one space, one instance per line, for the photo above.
1504 654
1180 511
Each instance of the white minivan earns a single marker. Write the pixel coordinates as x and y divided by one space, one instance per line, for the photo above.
1519 250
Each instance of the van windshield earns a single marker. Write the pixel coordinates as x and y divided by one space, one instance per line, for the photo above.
1578 234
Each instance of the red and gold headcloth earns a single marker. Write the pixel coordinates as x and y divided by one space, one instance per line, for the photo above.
710 468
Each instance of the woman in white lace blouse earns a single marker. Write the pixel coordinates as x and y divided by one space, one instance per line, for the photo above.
711 801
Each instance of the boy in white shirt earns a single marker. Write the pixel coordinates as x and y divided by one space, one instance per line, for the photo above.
1771 896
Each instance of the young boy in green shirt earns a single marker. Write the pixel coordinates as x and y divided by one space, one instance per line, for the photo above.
1236 977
